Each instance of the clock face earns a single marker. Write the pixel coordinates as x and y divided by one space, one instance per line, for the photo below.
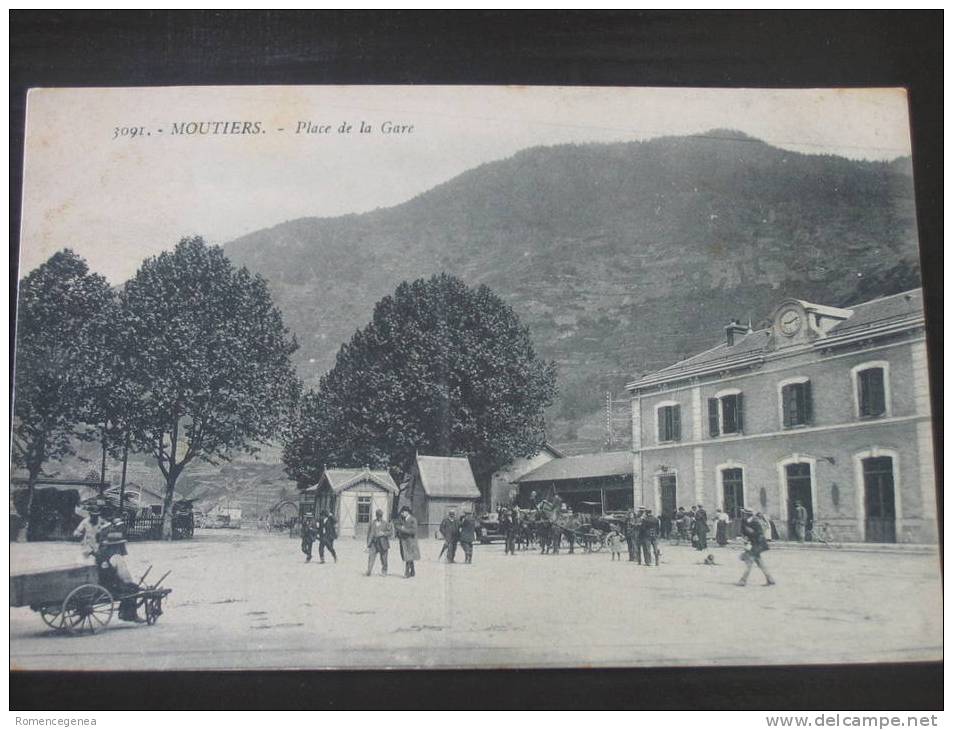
790 322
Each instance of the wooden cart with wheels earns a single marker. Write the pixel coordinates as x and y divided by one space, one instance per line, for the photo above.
71 600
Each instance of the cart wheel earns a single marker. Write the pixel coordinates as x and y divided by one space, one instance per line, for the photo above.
153 609
52 616
87 608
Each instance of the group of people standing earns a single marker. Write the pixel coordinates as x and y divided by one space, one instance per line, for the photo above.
323 530
379 534
458 532
640 533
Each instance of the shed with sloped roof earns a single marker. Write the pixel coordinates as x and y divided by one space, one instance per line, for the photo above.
436 485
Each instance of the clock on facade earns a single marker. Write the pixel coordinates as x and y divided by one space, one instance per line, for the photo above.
790 322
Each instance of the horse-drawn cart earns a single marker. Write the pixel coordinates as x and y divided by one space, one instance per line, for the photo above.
72 600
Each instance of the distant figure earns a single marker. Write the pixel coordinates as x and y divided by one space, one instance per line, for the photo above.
379 533
467 535
89 532
648 538
701 528
308 535
407 533
614 540
632 534
709 560
327 534
721 527
509 523
449 531
800 520
754 534
684 524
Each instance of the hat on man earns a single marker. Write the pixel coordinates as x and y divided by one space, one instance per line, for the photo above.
405 508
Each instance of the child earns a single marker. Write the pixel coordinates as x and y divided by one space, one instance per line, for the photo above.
615 541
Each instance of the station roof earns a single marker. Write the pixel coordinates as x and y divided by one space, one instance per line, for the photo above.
582 466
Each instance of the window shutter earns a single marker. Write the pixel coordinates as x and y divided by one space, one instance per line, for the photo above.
808 403
713 429
863 392
739 413
676 423
786 404
661 424
877 397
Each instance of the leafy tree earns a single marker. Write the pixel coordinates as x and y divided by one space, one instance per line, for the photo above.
441 369
57 306
211 372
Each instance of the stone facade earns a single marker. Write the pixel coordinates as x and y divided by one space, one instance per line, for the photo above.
864 470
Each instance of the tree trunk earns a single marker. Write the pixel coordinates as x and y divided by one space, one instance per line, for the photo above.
24 534
102 470
167 504
125 460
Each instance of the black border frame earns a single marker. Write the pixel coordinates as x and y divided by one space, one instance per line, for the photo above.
731 49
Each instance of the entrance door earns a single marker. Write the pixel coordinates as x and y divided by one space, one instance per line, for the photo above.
363 516
799 490
666 486
732 483
879 508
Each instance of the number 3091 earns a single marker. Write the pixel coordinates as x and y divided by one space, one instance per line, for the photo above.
128 132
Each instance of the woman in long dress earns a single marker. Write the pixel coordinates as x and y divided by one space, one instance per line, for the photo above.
721 527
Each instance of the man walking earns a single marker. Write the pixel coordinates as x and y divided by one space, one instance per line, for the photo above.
753 532
379 533
327 534
467 535
449 531
308 533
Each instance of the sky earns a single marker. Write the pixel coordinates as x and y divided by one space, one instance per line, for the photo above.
116 199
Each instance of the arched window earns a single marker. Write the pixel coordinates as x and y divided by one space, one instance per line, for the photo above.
871 384
726 413
730 488
795 402
668 420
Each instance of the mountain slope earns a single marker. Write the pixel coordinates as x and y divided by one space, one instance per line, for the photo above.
621 258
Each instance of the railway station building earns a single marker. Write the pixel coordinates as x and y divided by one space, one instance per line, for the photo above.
828 406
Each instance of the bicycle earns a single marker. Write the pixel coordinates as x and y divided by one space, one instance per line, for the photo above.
821 533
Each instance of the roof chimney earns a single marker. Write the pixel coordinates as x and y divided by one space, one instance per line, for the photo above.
733 328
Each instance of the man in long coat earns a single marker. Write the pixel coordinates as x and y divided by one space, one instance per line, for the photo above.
406 528
379 533
701 528
648 538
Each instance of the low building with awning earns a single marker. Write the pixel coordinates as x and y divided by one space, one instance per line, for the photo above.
603 478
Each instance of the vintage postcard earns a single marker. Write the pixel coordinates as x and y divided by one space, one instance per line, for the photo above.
431 377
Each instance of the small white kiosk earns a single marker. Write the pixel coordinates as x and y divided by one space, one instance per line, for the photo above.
352 496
